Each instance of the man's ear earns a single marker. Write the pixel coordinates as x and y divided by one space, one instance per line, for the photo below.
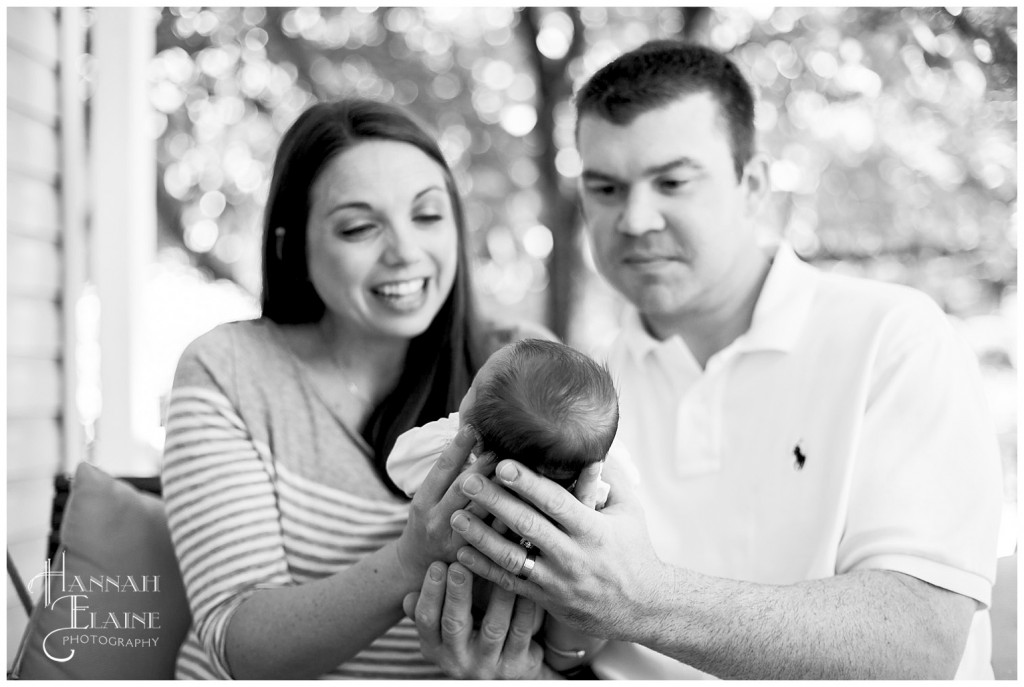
756 182
579 199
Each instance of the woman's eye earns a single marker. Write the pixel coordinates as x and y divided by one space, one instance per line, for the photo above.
428 217
356 232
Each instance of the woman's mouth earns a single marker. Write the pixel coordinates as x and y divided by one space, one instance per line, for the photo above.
402 295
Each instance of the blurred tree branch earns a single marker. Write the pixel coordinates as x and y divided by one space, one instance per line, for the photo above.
997 35
696 23
561 213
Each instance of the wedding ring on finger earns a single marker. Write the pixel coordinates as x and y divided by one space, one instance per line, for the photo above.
528 564
572 653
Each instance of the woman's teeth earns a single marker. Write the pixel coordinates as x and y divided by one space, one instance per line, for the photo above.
403 296
398 289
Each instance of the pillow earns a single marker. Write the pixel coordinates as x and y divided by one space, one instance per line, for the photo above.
119 610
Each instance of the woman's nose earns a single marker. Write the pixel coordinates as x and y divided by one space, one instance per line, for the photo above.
402 244
640 214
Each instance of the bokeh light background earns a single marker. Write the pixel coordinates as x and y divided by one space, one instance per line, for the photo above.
892 134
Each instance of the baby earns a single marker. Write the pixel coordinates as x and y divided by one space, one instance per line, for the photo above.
543 404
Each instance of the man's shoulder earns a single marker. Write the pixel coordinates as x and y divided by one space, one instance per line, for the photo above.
849 297
857 314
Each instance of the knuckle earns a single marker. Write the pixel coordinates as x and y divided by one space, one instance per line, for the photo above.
493 631
527 524
449 458
510 560
559 505
519 631
452 626
457 593
506 581
424 618
431 530
451 667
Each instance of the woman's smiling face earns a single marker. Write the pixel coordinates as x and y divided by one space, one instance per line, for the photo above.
382 241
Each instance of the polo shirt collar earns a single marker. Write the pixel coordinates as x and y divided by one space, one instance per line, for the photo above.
779 314
782 308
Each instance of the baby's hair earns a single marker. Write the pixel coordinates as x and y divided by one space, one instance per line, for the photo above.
548 406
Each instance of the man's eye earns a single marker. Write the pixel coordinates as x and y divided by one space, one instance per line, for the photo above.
602 190
672 184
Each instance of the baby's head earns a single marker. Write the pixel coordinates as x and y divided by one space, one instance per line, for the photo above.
546 405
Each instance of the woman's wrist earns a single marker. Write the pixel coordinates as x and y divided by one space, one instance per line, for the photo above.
410 570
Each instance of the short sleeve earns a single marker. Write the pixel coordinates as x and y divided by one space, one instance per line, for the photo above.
416 451
926 491
219 495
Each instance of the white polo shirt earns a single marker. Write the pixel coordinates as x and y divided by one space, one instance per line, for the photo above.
845 430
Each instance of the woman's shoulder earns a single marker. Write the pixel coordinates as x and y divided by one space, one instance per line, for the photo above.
229 337
233 345
498 334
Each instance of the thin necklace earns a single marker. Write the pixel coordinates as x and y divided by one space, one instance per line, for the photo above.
349 384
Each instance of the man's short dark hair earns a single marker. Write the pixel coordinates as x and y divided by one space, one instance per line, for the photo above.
659 73
548 406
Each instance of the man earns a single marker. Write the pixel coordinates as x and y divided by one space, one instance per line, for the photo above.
820 488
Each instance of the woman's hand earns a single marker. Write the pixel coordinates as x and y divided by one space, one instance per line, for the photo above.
428 535
590 489
501 648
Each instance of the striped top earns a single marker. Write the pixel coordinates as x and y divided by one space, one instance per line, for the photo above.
264 488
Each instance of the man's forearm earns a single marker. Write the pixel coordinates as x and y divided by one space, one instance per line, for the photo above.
602 576
869 624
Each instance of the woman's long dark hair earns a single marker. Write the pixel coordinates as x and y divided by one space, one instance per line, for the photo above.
441 361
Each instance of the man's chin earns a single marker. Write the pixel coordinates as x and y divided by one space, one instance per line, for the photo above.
660 301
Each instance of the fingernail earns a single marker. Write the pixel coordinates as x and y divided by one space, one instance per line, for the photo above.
456 576
508 473
472 485
435 573
460 523
466 557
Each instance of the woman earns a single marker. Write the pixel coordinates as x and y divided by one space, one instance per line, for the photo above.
295 547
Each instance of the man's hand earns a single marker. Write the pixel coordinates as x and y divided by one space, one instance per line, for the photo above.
501 648
596 571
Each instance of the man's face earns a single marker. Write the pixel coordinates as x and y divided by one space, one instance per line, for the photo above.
670 224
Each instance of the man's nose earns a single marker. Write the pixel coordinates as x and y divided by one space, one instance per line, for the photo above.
640 214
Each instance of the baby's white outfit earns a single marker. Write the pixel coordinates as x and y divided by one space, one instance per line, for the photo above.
416 451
